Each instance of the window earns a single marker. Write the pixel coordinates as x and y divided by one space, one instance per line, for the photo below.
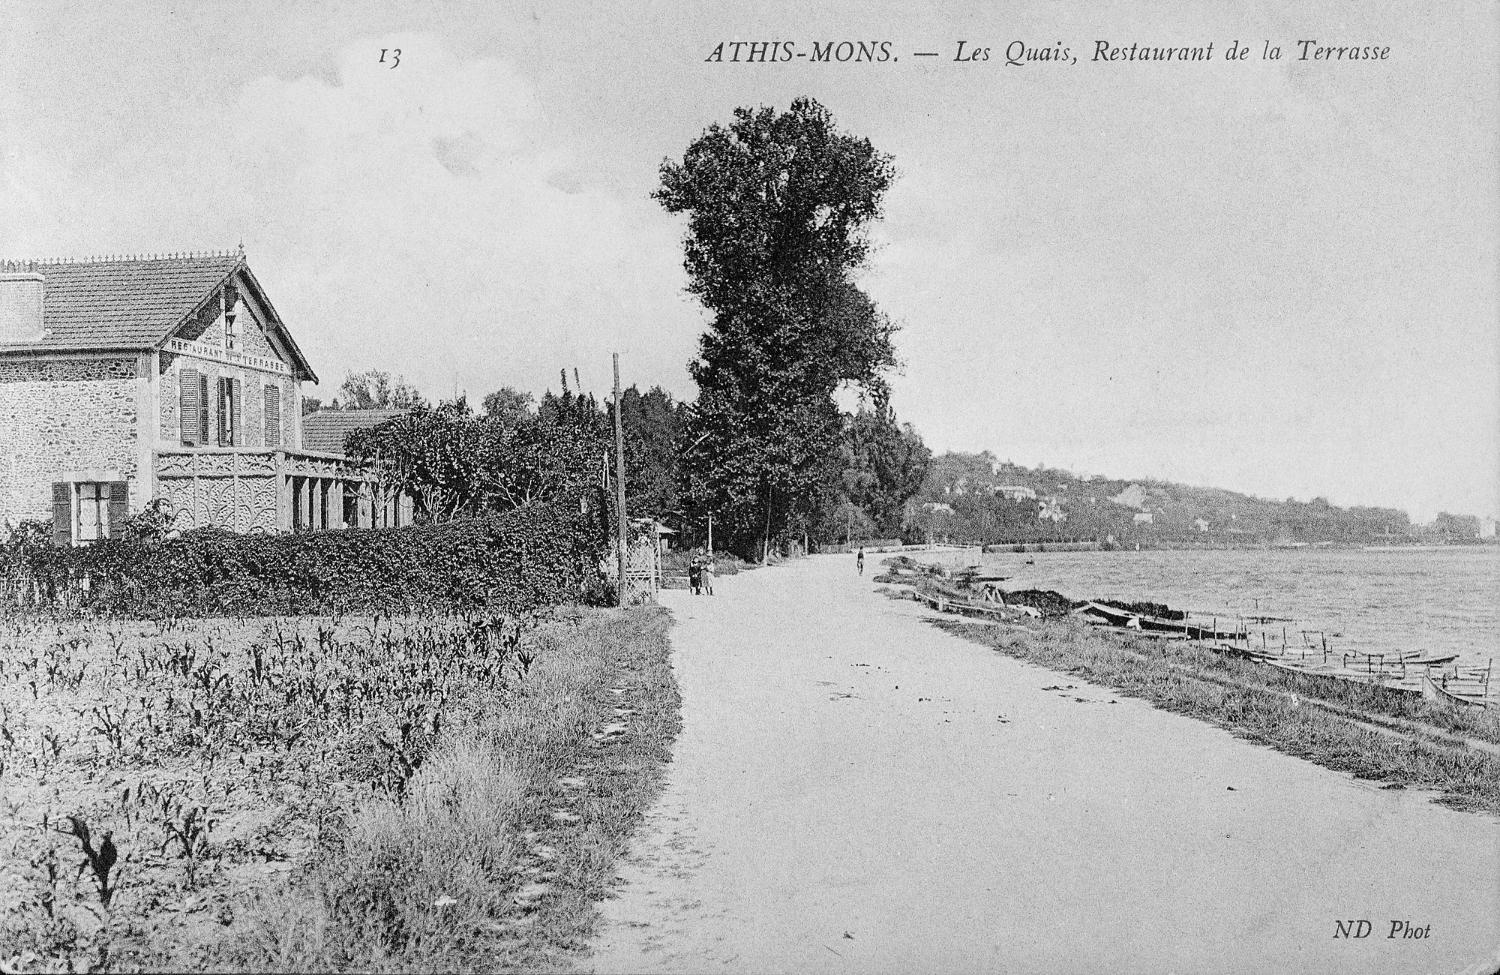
228 401
87 511
194 407
93 513
231 333
273 415
232 326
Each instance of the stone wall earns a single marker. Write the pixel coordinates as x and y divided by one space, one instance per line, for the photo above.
207 326
59 415
252 400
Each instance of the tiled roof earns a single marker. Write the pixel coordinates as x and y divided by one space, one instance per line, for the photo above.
134 303
131 303
325 430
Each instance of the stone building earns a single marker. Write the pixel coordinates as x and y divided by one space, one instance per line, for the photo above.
124 380
1014 492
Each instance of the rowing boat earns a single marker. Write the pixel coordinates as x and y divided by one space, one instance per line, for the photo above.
1432 690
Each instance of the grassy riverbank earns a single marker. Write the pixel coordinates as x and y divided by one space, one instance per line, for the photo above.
421 794
1370 732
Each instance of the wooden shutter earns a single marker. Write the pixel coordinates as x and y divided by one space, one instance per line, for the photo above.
190 405
221 412
205 409
273 416
62 513
119 507
236 434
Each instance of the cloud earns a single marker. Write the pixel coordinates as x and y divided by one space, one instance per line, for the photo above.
425 219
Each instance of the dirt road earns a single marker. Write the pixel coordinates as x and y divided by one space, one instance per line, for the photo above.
857 791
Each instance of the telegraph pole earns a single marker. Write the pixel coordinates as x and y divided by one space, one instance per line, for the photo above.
620 483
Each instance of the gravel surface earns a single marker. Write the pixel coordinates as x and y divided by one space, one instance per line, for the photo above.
854 790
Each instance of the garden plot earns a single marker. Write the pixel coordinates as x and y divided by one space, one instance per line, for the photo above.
158 780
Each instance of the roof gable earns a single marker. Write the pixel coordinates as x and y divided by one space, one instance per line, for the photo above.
136 303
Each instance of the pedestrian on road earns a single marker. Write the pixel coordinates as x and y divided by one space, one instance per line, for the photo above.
695 573
859 560
708 573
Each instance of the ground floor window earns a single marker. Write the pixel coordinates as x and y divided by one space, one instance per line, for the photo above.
93 512
86 511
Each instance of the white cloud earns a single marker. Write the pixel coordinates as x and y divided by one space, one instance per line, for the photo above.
416 219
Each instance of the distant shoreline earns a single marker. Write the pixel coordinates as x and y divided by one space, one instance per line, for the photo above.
1002 548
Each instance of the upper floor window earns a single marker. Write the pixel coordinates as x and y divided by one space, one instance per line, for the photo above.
232 332
229 412
233 324
193 407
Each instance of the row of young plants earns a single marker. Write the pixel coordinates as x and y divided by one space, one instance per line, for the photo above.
156 778
514 562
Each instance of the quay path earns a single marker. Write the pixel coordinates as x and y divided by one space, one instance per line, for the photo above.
857 791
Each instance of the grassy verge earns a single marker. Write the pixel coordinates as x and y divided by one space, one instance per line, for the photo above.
497 854
1273 708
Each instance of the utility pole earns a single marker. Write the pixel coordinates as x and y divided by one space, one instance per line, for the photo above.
620 482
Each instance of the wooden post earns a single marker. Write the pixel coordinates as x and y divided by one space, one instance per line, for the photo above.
621 534
765 545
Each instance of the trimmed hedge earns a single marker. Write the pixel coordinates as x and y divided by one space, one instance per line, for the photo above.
513 562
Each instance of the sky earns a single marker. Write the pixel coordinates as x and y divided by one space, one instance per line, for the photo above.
1274 276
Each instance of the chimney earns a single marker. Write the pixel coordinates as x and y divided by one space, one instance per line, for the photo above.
20 307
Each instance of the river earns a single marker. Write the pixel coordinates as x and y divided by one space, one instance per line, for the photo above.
1444 600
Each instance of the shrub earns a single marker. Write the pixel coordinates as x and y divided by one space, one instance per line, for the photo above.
513 562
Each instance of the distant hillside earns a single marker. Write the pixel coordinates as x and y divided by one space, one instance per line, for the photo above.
976 498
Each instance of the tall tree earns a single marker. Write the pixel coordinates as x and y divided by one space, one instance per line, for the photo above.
507 404
454 463
885 463
375 389
652 426
778 205
436 457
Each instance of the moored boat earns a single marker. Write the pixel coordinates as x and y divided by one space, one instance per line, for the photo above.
1433 690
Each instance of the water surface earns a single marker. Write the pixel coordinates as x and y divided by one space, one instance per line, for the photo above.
1378 601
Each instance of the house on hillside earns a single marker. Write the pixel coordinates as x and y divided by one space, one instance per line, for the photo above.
124 380
1014 492
1134 496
